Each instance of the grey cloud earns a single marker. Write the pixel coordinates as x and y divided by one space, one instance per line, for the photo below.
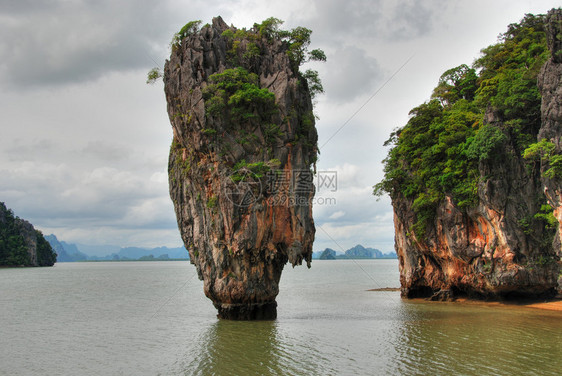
352 73
20 149
52 195
74 42
411 19
61 42
386 19
106 151
18 7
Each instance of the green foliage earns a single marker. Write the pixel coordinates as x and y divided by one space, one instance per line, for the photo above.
243 171
212 202
153 75
308 122
486 144
269 28
188 29
509 70
317 55
13 250
235 95
456 83
555 170
45 254
545 151
543 260
243 48
540 150
178 151
437 153
298 41
525 224
543 224
228 34
246 138
252 51
271 132
314 82
546 215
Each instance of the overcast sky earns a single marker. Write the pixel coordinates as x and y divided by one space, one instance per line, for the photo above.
84 141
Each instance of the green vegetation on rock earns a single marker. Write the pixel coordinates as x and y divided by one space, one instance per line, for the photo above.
16 235
244 47
153 75
243 171
188 29
438 152
297 39
235 94
545 151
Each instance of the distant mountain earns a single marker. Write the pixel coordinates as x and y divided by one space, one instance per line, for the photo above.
328 254
137 252
357 252
65 252
133 253
68 252
98 250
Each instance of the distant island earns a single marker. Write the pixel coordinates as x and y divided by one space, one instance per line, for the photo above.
68 252
354 253
21 244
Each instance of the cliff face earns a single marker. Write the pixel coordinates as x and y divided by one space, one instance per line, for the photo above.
499 247
482 252
21 244
240 163
550 85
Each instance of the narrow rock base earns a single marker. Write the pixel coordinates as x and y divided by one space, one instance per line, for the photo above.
257 311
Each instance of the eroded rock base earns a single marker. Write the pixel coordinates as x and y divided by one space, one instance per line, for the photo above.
258 311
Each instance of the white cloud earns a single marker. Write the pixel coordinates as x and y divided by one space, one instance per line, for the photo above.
337 215
352 73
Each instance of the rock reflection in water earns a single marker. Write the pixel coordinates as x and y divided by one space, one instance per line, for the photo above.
468 339
238 348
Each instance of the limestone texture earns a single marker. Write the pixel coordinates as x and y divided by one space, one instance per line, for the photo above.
240 168
486 252
550 85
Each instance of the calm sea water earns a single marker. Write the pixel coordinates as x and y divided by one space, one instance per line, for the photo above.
151 318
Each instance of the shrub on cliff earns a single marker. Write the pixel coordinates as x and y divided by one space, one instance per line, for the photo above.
235 95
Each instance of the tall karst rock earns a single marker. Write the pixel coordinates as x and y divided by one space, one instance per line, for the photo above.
468 190
550 85
240 163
